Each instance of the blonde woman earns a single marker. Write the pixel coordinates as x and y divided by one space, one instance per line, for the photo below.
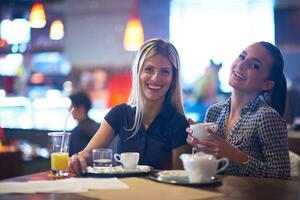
153 122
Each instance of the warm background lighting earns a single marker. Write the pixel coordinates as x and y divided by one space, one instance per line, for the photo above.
37 17
134 35
56 30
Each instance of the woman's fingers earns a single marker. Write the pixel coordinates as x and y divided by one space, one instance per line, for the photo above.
83 164
73 167
213 134
189 130
191 140
77 164
207 143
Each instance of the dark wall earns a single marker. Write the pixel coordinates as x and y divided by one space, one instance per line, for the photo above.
287 37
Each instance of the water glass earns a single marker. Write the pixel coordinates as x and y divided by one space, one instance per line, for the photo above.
102 159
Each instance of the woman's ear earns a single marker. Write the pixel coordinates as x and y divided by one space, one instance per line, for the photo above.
268 85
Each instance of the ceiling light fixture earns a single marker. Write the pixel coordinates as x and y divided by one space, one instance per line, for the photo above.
134 35
37 17
56 30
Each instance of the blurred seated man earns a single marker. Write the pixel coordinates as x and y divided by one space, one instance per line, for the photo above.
86 128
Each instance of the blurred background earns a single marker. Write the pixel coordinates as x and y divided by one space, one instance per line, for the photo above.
50 48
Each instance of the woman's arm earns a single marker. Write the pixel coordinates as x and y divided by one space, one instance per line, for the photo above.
101 139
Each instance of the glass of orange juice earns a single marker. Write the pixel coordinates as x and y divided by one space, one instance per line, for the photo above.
59 151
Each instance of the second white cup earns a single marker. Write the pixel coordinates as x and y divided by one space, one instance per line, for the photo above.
200 131
129 160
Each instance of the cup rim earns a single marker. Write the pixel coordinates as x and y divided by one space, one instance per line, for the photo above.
132 153
58 133
102 149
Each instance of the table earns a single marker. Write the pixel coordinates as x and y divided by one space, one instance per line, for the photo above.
235 188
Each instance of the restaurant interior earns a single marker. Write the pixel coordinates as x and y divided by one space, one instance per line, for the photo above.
86 45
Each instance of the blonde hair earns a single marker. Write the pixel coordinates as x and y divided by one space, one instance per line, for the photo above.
174 94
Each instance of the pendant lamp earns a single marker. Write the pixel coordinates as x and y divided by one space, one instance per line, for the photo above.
56 30
134 35
37 17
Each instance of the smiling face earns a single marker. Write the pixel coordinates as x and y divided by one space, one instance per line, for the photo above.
155 78
250 71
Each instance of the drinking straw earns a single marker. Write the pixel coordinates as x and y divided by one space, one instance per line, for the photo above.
64 132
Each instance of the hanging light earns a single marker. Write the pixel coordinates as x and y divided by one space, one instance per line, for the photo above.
56 30
134 35
37 17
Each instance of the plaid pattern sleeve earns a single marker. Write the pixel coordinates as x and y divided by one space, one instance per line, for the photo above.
261 133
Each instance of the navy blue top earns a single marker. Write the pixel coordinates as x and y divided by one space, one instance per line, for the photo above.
155 145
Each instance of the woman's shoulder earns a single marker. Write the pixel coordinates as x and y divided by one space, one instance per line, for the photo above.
267 113
265 109
216 108
122 107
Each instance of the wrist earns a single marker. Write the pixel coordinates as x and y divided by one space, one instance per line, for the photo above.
241 158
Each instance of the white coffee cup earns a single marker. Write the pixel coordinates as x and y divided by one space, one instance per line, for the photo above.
200 131
201 167
129 160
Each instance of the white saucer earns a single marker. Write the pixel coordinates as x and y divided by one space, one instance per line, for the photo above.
120 170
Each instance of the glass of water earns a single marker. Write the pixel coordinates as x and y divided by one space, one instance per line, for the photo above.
102 159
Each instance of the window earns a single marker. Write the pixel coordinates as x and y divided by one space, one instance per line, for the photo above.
212 29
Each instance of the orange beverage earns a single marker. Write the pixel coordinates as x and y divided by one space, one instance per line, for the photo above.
59 161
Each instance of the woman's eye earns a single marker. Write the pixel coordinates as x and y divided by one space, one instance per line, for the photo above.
241 56
148 69
255 66
166 71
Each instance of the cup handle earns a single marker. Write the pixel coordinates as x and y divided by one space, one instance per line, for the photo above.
117 157
225 165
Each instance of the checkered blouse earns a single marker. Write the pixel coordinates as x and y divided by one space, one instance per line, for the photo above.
261 133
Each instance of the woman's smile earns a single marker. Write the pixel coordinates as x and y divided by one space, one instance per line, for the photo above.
238 76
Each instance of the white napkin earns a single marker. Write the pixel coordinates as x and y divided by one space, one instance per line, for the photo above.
70 185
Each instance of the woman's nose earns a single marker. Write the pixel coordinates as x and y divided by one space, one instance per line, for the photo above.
155 76
242 65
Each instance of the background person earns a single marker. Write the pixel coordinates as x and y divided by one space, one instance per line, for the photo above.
252 133
153 121
86 128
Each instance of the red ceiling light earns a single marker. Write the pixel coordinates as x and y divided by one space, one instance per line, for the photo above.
134 35
37 17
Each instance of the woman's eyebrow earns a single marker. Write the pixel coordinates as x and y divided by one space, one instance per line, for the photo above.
257 60
253 58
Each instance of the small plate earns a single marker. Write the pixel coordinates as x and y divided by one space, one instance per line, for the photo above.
119 171
179 177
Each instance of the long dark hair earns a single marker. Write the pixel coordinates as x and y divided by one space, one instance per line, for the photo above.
276 97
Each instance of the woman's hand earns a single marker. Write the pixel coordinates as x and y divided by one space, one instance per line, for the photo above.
78 162
218 147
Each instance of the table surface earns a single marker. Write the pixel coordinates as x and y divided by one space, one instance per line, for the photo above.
141 188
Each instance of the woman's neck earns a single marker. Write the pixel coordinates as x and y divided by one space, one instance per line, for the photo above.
151 110
239 101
